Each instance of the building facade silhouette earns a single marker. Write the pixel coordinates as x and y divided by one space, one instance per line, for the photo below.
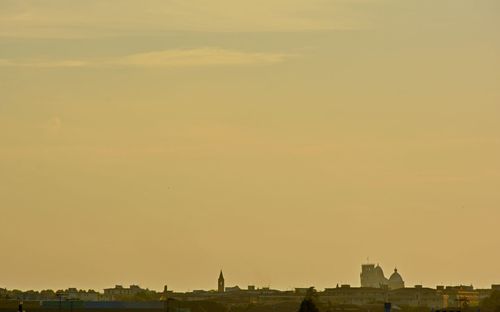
220 283
373 276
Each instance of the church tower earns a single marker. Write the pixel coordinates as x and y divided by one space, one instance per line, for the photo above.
221 282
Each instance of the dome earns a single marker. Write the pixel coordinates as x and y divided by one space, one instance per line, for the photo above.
396 281
395 277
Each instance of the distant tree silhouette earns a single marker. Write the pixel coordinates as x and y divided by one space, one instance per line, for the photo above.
308 304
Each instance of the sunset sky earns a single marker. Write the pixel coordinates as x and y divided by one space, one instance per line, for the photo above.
284 141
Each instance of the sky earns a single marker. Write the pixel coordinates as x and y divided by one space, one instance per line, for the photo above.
285 142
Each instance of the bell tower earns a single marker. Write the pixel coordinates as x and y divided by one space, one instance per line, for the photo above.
220 287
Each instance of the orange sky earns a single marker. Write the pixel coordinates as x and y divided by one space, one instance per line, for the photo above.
282 141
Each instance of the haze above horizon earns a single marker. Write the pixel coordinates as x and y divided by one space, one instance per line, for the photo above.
155 142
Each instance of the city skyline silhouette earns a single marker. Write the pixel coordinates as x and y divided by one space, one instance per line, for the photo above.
155 142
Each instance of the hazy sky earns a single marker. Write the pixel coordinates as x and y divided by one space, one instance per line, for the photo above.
284 141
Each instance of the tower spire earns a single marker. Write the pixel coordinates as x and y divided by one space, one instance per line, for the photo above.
220 282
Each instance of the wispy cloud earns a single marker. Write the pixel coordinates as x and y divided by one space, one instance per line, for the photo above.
158 59
97 18
199 57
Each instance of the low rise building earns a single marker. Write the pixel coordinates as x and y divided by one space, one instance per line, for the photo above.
119 292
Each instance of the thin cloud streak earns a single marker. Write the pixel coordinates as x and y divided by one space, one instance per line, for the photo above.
39 63
199 57
97 18
165 58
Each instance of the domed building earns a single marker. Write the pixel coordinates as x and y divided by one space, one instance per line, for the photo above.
395 281
373 276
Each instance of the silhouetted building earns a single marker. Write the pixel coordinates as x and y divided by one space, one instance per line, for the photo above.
220 287
373 276
417 296
120 291
459 296
395 281
75 294
233 288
